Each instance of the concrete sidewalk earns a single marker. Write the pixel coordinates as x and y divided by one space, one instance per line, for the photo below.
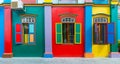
38 60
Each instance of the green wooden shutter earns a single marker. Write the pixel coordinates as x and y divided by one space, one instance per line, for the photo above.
59 33
77 33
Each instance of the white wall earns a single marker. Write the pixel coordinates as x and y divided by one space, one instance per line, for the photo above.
81 1
55 1
40 1
14 0
1 1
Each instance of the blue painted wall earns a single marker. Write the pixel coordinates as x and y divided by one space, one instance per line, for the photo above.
1 31
100 1
7 1
88 29
118 29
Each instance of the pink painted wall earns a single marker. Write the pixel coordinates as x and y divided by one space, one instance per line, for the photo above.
29 1
88 0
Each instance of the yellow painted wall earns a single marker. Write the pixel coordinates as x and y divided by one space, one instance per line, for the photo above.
47 1
102 9
114 1
101 50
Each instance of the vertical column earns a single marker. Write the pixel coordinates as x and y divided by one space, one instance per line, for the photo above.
8 33
88 31
1 31
114 18
48 32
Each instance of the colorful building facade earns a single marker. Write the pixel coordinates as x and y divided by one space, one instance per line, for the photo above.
59 28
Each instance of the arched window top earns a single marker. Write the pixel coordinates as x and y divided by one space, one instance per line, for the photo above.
68 17
68 20
28 19
101 15
100 20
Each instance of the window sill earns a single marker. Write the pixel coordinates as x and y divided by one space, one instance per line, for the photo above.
100 44
68 44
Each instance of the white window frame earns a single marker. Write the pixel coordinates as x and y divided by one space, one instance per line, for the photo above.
72 20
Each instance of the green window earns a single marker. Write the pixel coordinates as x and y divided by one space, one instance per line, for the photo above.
68 33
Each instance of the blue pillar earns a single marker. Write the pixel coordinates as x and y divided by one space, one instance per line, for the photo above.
1 31
88 29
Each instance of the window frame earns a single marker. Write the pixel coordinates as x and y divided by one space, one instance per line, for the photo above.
34 23
100 19
67 18
99 16
94 34
74 34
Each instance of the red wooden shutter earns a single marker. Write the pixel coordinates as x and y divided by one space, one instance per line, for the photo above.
18 34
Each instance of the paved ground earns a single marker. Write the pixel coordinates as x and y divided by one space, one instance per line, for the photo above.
59 60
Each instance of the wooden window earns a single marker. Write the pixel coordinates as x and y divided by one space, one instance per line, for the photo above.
100 30
103 32
100 33
68 32
28 24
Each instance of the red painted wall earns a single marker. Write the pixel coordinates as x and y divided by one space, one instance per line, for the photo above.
29 1
68 50
8 30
